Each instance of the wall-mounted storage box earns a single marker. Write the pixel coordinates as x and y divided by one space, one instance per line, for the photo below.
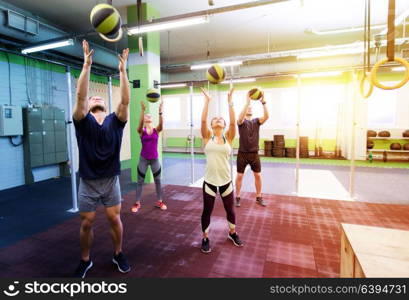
11 120
45 140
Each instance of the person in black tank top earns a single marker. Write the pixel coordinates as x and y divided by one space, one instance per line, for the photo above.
99 137
249 130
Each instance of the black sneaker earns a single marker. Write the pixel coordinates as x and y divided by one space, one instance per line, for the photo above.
121 262
206 246
238 202
260 201
235 239
82 268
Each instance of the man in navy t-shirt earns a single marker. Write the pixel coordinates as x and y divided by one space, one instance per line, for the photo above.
99 137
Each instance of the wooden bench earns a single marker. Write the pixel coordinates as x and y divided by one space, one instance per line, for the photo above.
368 251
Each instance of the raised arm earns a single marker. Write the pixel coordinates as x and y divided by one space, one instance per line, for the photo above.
244 111
141 118
159 128
204 129
265 110
231 132
81 101
122 109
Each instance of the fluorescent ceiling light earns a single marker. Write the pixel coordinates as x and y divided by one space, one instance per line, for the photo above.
68 42
223 64
398 69
172 85
240 80
168 25
344 30
321 74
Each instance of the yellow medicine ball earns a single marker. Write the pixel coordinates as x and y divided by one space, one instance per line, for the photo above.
153 95
256 93
215 74
105 19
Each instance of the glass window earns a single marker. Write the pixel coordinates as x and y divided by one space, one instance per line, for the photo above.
171 107
288 106
382 109
198 102
321 104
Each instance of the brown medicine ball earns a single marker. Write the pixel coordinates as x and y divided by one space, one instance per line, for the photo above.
406 146
405 133
384 134
396 146
370 144
371 133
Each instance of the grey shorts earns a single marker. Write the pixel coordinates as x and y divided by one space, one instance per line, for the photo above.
92 192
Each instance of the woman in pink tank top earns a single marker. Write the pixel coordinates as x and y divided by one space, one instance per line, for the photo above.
149 156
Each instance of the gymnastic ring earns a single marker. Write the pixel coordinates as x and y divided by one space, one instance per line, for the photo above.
362 86
119 36
374 72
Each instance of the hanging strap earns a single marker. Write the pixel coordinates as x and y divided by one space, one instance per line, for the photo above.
390 47
368 42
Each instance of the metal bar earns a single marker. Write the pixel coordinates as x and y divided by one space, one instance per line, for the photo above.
287 74
353 136
71 143
232 148
206 12
288 55
110 94
192 140
78 67
297 165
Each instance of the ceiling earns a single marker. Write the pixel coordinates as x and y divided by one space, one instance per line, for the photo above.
273 27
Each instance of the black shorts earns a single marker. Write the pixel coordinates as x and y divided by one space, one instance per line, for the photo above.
250 158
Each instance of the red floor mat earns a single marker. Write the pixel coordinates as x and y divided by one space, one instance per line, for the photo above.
291 237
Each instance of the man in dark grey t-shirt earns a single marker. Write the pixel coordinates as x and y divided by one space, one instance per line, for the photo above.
249 130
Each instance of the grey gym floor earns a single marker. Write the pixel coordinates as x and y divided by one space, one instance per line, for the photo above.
376 185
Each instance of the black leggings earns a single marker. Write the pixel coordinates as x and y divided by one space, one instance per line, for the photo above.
209 196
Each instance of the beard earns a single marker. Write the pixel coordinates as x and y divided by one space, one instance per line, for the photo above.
97 108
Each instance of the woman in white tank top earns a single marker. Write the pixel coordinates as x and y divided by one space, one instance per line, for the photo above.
217 148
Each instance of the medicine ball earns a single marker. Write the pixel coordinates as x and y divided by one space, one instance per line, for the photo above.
405 133
384 134
370 144
396 146
256 93
153 95
406 146
106 20
215 74
371 133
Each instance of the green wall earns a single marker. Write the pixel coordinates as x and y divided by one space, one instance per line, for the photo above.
146 69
